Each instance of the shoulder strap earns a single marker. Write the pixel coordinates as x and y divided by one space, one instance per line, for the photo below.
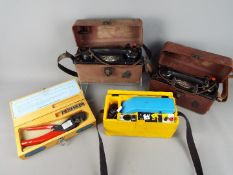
63 68
147 51
148 58
190 142
103 163
192 146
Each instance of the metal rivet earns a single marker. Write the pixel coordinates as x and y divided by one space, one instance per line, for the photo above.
126 74
195 56
108 71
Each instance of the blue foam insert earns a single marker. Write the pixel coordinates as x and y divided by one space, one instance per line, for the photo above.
148 104
35 151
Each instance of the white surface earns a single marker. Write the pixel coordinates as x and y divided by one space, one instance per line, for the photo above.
126 155
34 33
38 100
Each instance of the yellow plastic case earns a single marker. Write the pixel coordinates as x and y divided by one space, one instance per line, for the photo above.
118 127
52 113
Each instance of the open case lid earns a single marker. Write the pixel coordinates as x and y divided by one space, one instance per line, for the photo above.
44 102
195 62
108 32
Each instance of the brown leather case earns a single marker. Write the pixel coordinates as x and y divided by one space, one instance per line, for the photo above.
197 63
108 33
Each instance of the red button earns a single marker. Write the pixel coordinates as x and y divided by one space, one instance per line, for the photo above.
171 119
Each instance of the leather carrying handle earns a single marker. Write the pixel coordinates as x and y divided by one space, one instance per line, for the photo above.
63 68
224 94
231 75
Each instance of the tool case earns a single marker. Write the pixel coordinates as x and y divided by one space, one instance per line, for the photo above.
109 51
142 113
194 76
60 106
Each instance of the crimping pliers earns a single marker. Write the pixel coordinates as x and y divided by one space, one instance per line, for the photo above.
56 130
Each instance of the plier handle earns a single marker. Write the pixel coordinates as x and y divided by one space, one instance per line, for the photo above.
56 130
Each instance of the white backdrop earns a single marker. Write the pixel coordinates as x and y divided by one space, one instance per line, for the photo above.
34 33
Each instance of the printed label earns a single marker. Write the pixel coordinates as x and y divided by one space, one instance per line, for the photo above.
44 98
79 105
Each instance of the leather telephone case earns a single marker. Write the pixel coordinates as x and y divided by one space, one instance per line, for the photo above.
109 51
195 77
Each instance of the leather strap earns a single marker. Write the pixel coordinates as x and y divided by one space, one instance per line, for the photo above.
190 142
103 163
224 95
147 59
63 68
147 51
192 146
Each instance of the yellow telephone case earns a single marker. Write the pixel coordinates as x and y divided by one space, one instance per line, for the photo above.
117 127
52 113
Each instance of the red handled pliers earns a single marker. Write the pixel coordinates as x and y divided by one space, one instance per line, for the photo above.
56 130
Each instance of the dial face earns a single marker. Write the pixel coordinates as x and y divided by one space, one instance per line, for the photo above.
184 84
110 58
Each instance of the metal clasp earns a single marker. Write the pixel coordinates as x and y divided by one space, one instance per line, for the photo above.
107 22
195 56
108 71
62 141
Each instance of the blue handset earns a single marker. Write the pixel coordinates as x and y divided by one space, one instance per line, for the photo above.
148 104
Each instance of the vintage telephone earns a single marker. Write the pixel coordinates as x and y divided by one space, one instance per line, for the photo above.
204 86
115 55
